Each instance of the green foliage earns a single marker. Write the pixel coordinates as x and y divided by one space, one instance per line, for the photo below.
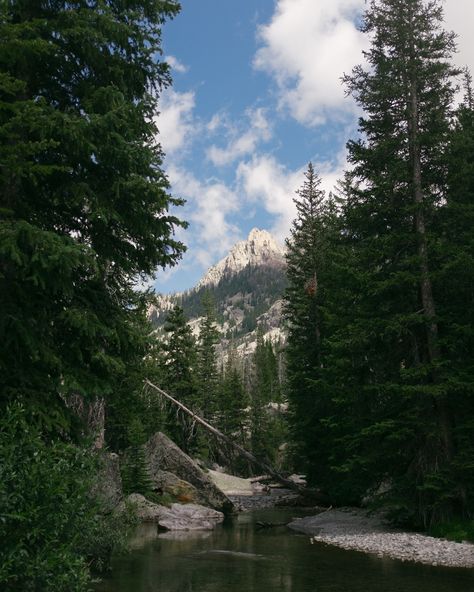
134 469
84 200
232 401
454 531
50 525
380 355
309 264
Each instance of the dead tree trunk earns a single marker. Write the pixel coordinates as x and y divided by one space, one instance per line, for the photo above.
312 493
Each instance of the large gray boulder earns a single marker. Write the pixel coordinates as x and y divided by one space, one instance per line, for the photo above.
176 517
189 517
163 455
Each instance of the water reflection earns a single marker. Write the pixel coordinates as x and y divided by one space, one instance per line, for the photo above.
237 557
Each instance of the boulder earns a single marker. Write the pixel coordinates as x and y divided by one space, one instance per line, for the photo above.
181 490
176 517
162 454
108 487
144 510
189 517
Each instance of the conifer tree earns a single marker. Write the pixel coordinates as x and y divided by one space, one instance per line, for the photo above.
232 399
207 371
84 200
178 372
397 186
307 262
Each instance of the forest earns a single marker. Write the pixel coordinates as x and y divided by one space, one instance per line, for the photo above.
378 365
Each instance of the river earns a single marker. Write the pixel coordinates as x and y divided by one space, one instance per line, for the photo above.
239 557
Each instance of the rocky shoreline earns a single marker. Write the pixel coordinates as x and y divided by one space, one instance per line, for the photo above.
357 530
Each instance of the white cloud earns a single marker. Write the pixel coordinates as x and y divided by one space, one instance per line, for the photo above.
308 45
176 64
306 48
243 143
268 182
209 205
459 16
175 121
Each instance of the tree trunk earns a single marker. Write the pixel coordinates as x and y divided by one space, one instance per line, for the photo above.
426 290
314 494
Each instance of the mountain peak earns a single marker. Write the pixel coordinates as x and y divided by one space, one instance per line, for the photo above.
260 248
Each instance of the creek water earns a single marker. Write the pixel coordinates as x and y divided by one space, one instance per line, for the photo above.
240 557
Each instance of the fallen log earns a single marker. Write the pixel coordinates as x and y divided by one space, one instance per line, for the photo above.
304 491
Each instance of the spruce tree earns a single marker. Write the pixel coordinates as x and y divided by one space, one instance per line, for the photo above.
232 399
84 200
396 187
207 371
308 252
178 361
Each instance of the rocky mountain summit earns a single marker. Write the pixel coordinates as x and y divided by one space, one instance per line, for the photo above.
259 249
247 286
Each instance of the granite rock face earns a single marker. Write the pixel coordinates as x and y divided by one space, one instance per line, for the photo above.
260 248
189 517
162 454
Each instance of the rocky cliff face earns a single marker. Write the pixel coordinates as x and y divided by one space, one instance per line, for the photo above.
247 286
259 249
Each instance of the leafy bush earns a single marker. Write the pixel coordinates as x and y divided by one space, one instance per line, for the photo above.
50 527
455 531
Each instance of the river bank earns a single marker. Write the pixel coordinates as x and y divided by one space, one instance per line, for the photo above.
357 530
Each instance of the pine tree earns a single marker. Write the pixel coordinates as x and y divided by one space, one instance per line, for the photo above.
404 425
135 474
308 252
178 369
207 371
232 399
84 200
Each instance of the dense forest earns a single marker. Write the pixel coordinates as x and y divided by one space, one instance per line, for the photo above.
380 296
378 367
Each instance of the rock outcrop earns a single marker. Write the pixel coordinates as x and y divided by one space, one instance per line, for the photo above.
163 455
260 248
176 517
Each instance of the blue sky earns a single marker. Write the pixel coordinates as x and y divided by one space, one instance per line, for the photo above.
256 96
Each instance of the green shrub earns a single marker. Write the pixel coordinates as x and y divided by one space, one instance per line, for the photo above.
50 527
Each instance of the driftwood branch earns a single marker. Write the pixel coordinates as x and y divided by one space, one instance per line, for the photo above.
314 494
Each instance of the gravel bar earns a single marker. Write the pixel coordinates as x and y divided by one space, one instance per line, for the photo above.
356 530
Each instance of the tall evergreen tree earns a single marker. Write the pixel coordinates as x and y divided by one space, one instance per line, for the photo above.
84 200
307 262
207 371
178 369
397 185
232 399
84 215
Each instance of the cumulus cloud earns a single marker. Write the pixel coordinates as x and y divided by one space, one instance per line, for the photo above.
175 121
176 64
266 181
209 205
242 143
306 47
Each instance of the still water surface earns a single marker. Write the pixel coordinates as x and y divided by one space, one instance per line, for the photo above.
237 557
